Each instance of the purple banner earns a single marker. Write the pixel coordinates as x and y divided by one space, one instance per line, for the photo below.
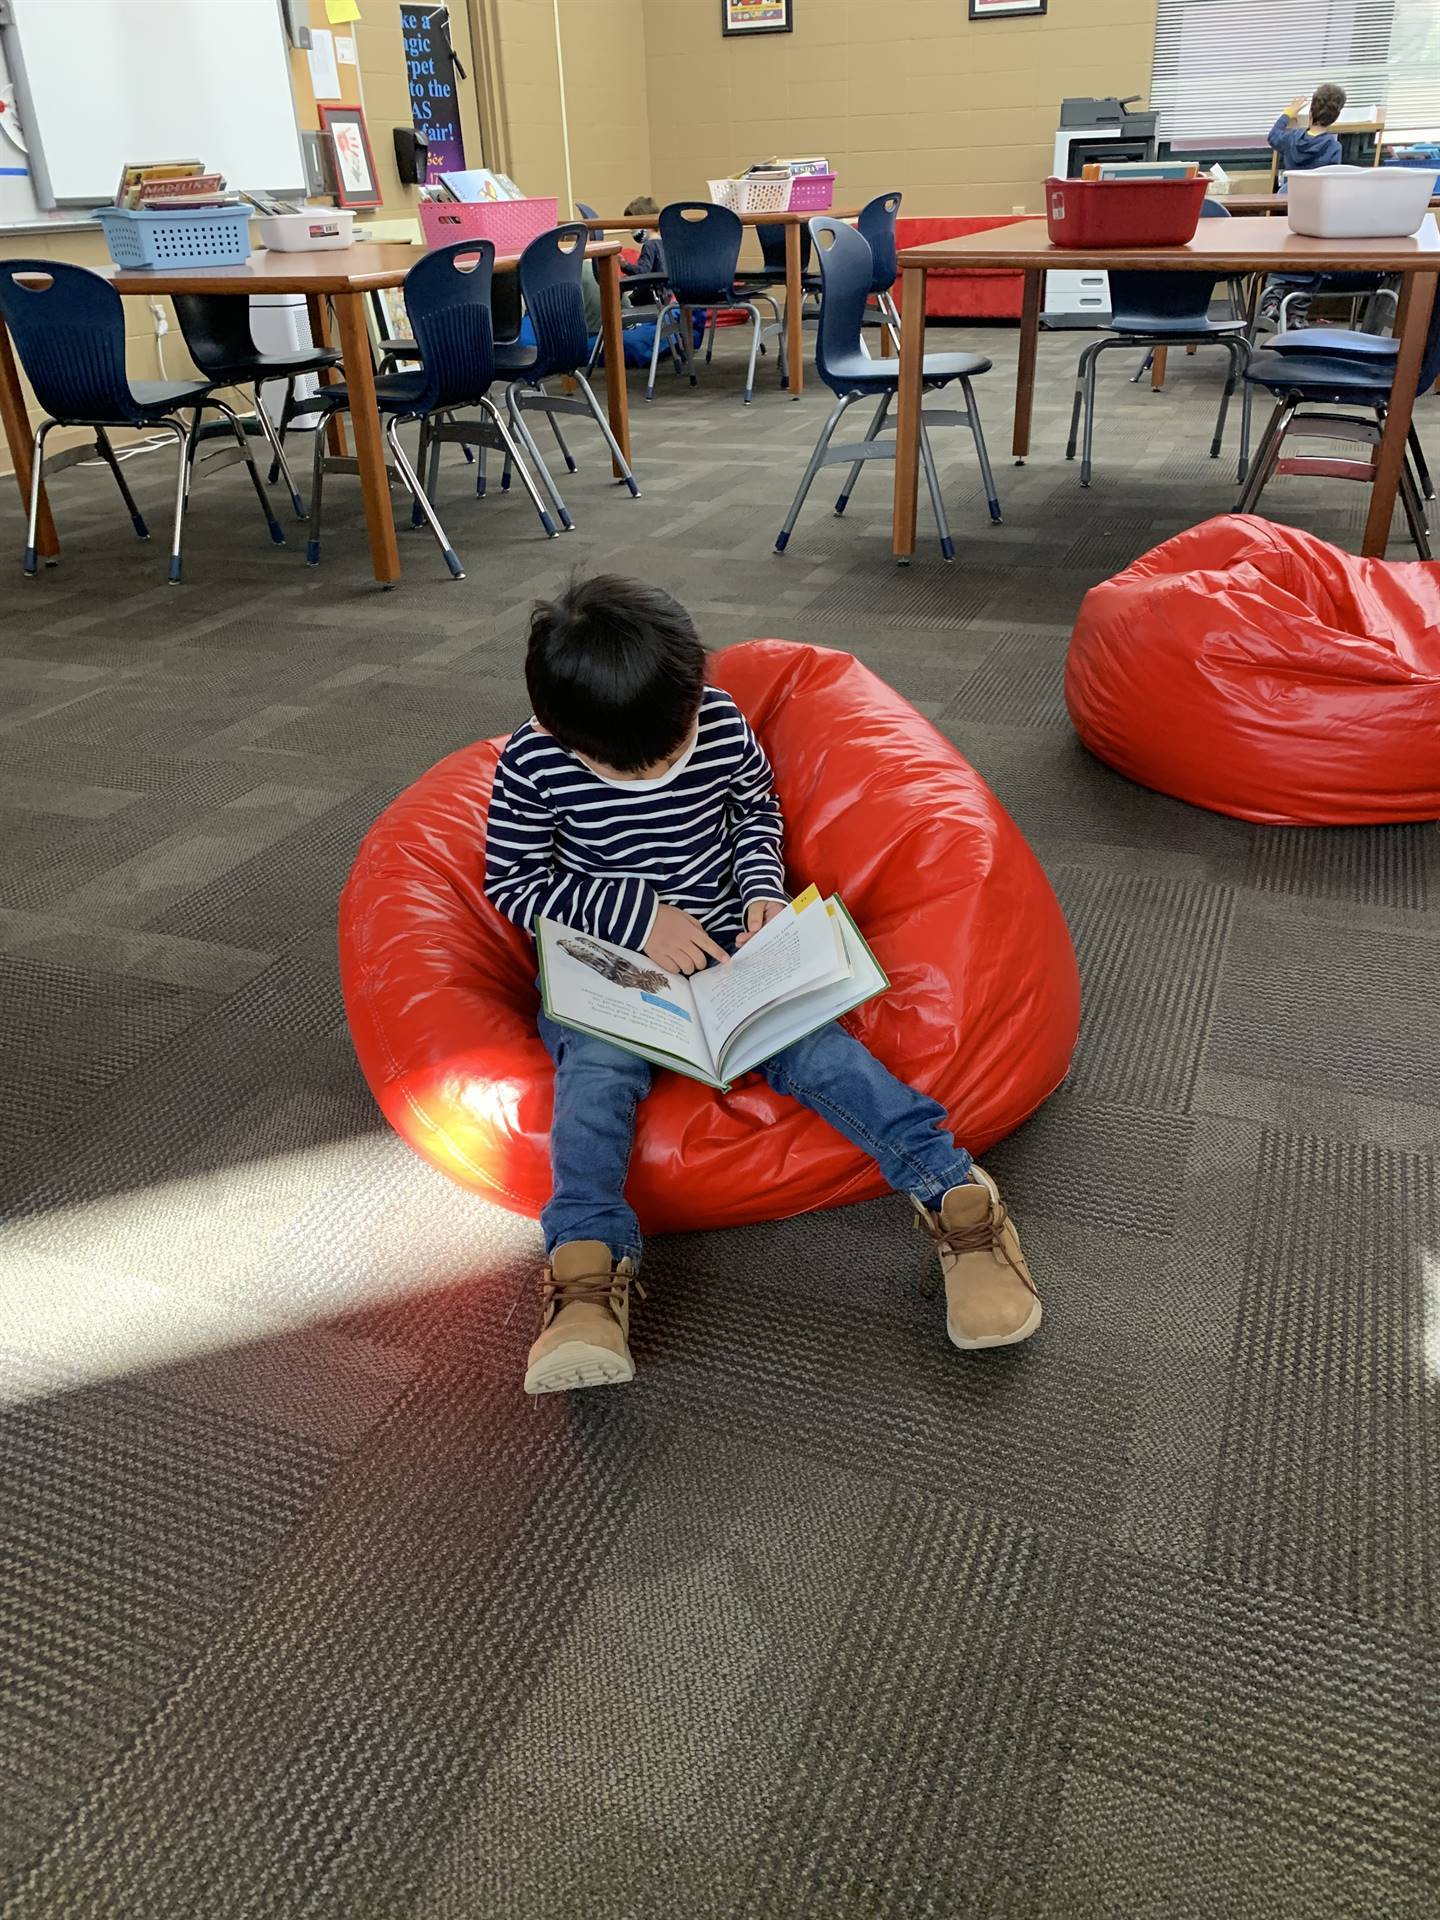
434 110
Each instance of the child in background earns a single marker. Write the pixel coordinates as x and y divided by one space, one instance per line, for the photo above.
1301 150
637 807
652 254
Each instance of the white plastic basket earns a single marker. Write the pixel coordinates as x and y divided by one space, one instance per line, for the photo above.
756 193
312 230
1357 203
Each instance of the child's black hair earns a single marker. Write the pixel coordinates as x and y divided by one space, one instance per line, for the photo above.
1327 104
615 671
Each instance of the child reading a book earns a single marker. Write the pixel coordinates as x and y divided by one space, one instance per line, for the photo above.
636 807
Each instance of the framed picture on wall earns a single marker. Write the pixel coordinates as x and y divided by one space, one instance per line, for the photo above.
1004 9
756 16
355 181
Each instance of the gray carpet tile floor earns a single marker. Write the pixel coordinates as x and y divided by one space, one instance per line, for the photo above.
305 1611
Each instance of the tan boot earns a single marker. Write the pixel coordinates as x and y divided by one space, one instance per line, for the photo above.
990 1299
585 1322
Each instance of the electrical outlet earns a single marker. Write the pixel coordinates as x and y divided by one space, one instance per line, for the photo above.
161 319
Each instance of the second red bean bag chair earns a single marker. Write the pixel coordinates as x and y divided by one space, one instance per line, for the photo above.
982 1011
1257 671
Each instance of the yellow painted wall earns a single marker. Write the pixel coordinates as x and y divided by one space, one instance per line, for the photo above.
959 114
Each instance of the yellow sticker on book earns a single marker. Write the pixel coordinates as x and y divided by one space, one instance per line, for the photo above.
337 12
806 899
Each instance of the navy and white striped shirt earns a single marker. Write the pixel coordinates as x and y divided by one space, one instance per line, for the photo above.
601 855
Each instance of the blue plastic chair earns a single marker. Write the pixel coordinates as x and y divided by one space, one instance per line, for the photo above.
876 220
550 270
69 331
1359 372
702 251
847 273
1162 310
447 299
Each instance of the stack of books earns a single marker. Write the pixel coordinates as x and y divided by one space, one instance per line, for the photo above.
172 184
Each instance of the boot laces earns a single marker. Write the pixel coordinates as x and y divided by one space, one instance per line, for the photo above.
596 1288
983 1236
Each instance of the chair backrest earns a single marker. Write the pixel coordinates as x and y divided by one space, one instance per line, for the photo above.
702 249
69 331
586 213
847 270
550 270
447 299
772 246
216 330
1179 300
877 222
1213 209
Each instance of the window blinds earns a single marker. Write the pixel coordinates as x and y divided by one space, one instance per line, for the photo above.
1224 69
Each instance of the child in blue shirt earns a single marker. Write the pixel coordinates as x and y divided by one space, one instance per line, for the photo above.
637 807
1302 150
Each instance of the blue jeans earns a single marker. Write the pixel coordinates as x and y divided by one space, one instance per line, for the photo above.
598 1087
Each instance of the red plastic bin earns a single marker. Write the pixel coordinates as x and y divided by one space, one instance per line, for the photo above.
1122 213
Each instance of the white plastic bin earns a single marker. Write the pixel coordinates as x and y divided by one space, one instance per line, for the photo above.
312 230
1356 203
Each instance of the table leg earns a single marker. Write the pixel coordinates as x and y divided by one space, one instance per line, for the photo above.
1414 325
369 440
1025 365
617 398
1157 368
907 419
322 335
17 436
794 310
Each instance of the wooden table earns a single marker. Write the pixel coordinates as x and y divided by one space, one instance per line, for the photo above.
343 278
1220 247
793 224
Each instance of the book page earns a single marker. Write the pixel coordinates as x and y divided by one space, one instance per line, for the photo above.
792 952
792 1019
622 996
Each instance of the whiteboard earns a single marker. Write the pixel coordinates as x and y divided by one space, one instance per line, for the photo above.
104 82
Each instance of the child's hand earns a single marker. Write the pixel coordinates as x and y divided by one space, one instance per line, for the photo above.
679 943
1292 112
756 915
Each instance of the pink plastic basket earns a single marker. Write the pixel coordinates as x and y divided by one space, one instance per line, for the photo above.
510 224
812 192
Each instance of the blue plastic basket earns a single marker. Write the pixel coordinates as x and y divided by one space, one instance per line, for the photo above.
192 237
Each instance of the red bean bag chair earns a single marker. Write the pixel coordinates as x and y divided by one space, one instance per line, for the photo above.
962 293
982 1011
1255 670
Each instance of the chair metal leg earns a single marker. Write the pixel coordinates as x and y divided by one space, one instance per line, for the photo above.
710 335
1247 395
317 487
424 459
107 454
1263 466
185 455
755 326
277 533
480 471
1414 510
277 439
565 453
1422 471
598 413
514 458
1089 439
1231 381
527 441
420 497
192 447
278 463
37 465
937 504
854 474
981 452
662 316
837 413
1143 368
1082 367
886 303
432 478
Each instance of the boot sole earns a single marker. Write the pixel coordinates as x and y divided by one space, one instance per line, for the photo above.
576 1365
997 1339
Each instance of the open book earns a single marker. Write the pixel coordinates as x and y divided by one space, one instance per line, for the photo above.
805 967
